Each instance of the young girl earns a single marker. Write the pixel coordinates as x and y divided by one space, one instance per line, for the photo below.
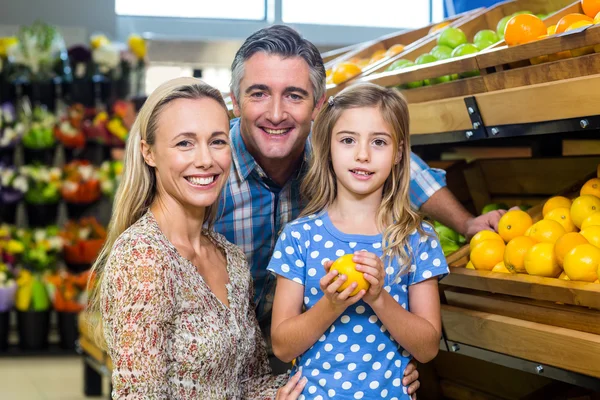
357 346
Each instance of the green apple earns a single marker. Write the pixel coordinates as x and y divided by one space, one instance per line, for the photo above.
441 52
492 207
464 49
452 37
502 26
399 64
425 59
487 35
446 233
412 85
440 79
483 44
454 77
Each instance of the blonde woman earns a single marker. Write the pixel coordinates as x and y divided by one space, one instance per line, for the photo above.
175 296
355 342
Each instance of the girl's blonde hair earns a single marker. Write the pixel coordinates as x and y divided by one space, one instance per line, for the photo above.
137 189
395 217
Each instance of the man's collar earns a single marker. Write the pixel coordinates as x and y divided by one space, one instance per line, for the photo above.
244 161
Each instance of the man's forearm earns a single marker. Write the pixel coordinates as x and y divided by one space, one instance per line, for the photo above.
446 209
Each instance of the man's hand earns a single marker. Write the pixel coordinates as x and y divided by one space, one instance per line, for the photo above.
488 221
411 379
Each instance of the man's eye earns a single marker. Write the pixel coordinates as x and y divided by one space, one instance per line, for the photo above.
257 95
295 97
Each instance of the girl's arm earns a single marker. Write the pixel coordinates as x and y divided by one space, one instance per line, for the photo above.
419 330
292 331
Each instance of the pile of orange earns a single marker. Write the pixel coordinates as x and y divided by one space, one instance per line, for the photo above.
525 28
564 244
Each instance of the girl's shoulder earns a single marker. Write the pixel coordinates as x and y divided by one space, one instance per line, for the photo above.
305 223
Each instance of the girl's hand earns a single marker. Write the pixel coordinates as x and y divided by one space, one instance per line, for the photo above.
292 389
338 301
372 268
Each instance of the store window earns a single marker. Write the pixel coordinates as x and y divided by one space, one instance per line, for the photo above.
372 13
229 9
157 74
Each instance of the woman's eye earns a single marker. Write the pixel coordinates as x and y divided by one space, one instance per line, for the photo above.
184 143
220 142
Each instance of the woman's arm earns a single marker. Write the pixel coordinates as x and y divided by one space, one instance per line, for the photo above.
292 331
137 305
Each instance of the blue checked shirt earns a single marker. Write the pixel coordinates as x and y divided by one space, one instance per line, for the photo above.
253 209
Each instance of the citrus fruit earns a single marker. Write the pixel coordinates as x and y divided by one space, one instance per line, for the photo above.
485 35
567 243
569 20
597 21
555 202
487 254
500 268
562 215
439 26
582 262
363 62
377 55
592 234
395 49
591 220
345 266
583 207
540 260
524 28
441 52
514 254
514 223
484 235
563 276
577 25
470 265
551 30
591 187
547 231
344 71
591 8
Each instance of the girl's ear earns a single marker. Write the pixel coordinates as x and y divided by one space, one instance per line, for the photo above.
399 153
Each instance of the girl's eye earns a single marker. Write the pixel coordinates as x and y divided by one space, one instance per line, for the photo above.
347 140
379 142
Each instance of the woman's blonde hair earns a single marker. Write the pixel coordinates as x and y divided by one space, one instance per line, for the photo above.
395 217
137 189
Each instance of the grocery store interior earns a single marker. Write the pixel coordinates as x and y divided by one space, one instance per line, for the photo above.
504 105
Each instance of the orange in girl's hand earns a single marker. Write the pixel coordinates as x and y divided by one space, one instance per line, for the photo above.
345 266
524 28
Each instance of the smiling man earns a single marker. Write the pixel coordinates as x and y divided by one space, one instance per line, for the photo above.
277 88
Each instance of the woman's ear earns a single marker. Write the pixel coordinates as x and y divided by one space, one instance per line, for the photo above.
147 153
399 153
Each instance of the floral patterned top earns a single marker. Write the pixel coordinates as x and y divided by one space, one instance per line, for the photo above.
168 335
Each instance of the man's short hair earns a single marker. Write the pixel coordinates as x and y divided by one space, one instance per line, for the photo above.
282 41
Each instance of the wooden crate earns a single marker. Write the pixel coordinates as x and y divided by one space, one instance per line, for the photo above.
546 320
333 54
409 39
465 86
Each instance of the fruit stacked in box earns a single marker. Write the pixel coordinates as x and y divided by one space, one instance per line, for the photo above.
515 29
564 244
346 70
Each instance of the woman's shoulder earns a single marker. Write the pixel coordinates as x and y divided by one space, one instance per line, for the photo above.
141 238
